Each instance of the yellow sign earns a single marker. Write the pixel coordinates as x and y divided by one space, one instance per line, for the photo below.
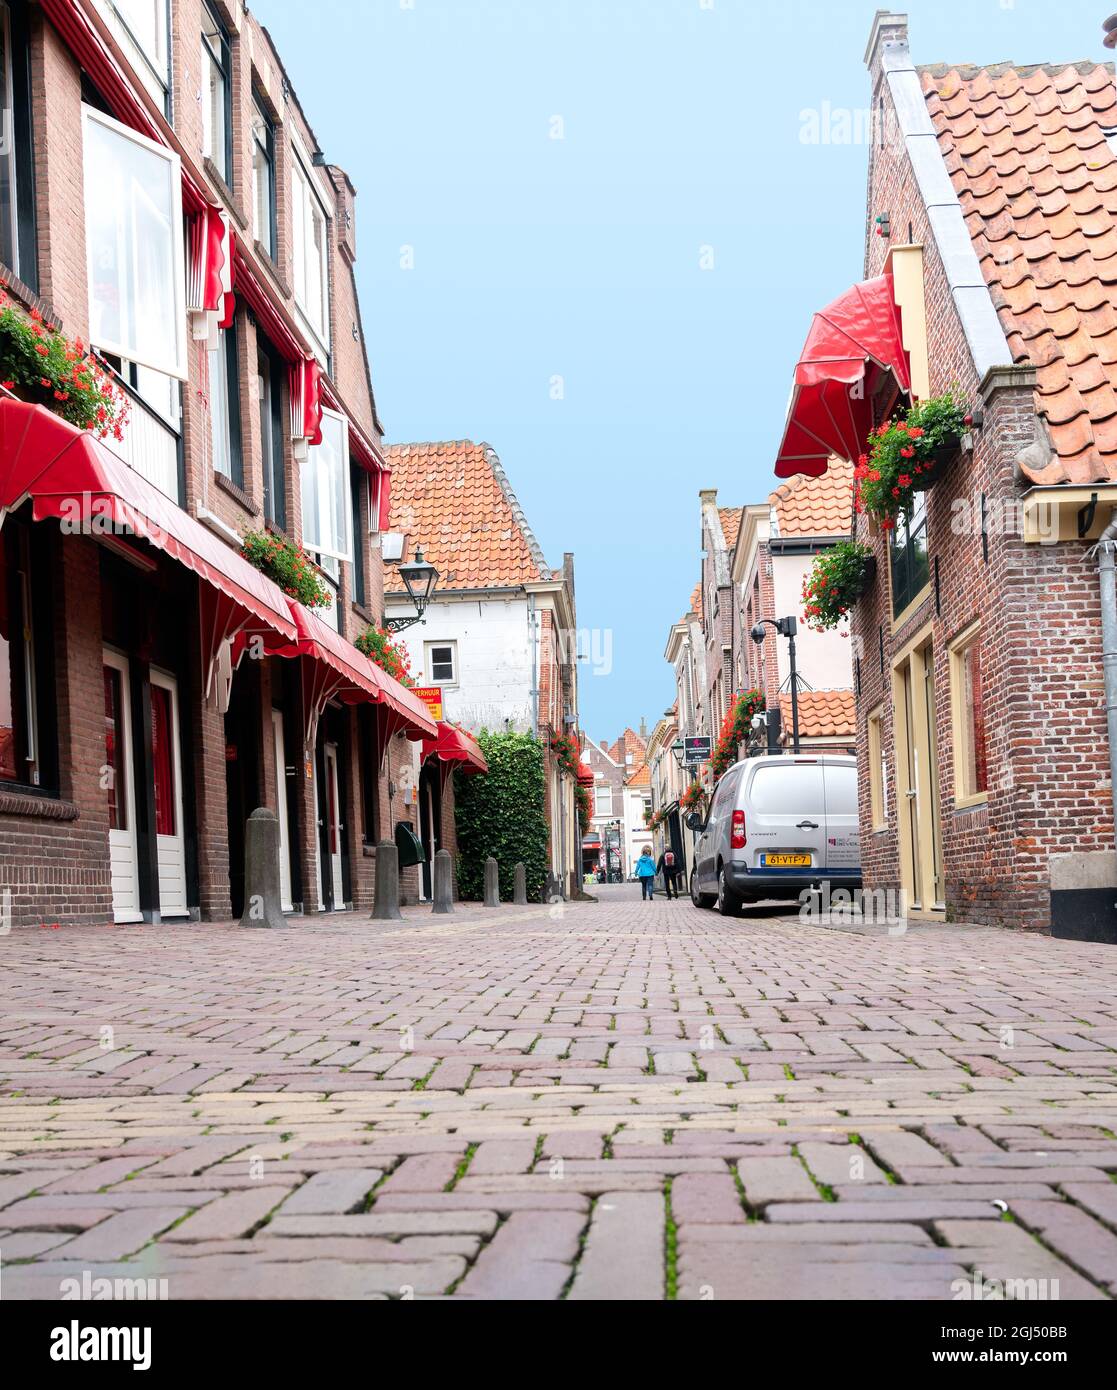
431 696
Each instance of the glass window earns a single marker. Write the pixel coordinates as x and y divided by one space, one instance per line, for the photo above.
115 791
971 768
162 759
358 488
224 407
603 801
17 202
325 489
331 573
310 233
145 22
133 223
908 548
442 662
263 180
25 705
788 790
269 400
878 770
217 90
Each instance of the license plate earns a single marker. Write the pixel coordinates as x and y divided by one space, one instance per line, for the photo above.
786 861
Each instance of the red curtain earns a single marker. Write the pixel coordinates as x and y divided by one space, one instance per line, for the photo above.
162 757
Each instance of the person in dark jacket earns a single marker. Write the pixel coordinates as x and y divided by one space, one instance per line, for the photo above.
669 868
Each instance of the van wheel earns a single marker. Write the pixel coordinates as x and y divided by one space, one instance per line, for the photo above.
729 904
697 898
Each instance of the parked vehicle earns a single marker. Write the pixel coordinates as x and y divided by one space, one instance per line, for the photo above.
777 826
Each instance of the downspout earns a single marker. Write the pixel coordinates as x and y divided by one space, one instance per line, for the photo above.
533 637
1107 585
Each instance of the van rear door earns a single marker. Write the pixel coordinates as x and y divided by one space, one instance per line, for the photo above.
843 833
785 817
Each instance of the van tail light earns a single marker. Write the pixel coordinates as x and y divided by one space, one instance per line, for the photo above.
738 840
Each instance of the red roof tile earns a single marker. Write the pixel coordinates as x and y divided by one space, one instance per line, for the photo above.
454 501
822 714
1037 180
819 506
730 524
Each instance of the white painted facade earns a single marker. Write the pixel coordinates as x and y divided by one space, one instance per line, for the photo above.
636 833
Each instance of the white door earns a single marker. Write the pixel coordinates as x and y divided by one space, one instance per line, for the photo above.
279 752
166 758
118 781
333 826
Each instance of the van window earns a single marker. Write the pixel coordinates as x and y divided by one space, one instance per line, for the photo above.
787 790
841 790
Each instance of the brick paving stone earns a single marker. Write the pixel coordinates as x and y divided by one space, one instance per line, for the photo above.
776 1180
122 1233
705 1199
530 1257
1003 1250
341 1190
230 1216
239 1076
624 1255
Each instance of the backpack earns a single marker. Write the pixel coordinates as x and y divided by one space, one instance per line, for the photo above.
669 859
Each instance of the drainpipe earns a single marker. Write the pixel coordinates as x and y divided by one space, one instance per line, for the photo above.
533 638
1107 584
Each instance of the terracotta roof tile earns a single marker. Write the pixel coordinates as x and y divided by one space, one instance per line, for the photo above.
453 500
730 524
696 600
815 506
822 714
1028 155
640 778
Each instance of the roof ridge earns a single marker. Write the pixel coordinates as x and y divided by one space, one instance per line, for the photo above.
1080 65
518 515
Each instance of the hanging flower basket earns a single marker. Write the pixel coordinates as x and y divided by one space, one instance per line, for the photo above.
382 650
567 753
735 731
694 798
41 365
837 579
907 456
289 566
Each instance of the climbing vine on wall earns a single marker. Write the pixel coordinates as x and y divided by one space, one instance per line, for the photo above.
503 814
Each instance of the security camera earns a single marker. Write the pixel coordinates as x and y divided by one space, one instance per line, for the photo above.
758 634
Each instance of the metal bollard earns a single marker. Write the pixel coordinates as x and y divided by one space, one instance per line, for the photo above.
492 882
385 903
443 871
519 884
262 905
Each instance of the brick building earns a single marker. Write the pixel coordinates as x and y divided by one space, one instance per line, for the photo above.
498 640
775 547
154 687
986 787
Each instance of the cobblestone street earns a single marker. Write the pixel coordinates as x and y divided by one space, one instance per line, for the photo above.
621 1101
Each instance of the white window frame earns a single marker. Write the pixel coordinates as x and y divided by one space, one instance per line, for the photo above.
8 154
598 813
312 477
264 223
177 368
154 65
210 63
304 189
429 649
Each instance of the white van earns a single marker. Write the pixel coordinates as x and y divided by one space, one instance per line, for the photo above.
777 826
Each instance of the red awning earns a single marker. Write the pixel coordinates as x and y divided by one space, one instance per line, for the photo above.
454 745
74 478
851 342
585 776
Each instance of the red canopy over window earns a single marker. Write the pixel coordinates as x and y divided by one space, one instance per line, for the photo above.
72 477
456 746
585 776
850 343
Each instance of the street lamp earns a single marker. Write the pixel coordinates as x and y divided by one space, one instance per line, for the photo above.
786 627
678 751
419 578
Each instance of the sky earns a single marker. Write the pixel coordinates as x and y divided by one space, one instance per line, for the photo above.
592 234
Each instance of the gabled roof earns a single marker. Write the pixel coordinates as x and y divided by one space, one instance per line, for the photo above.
629 743
640 778
815 506
454 500
1036 176
822 714
696 600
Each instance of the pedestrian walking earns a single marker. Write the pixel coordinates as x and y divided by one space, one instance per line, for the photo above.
668 867
645 872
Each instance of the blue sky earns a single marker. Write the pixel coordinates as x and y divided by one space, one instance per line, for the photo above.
581 257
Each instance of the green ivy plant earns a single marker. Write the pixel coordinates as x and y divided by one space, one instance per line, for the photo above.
503 814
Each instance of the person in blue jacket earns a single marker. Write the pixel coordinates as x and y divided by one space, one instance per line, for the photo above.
645 872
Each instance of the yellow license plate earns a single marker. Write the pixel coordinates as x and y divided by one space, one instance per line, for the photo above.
787 861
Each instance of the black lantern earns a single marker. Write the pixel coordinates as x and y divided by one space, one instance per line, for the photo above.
419 578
